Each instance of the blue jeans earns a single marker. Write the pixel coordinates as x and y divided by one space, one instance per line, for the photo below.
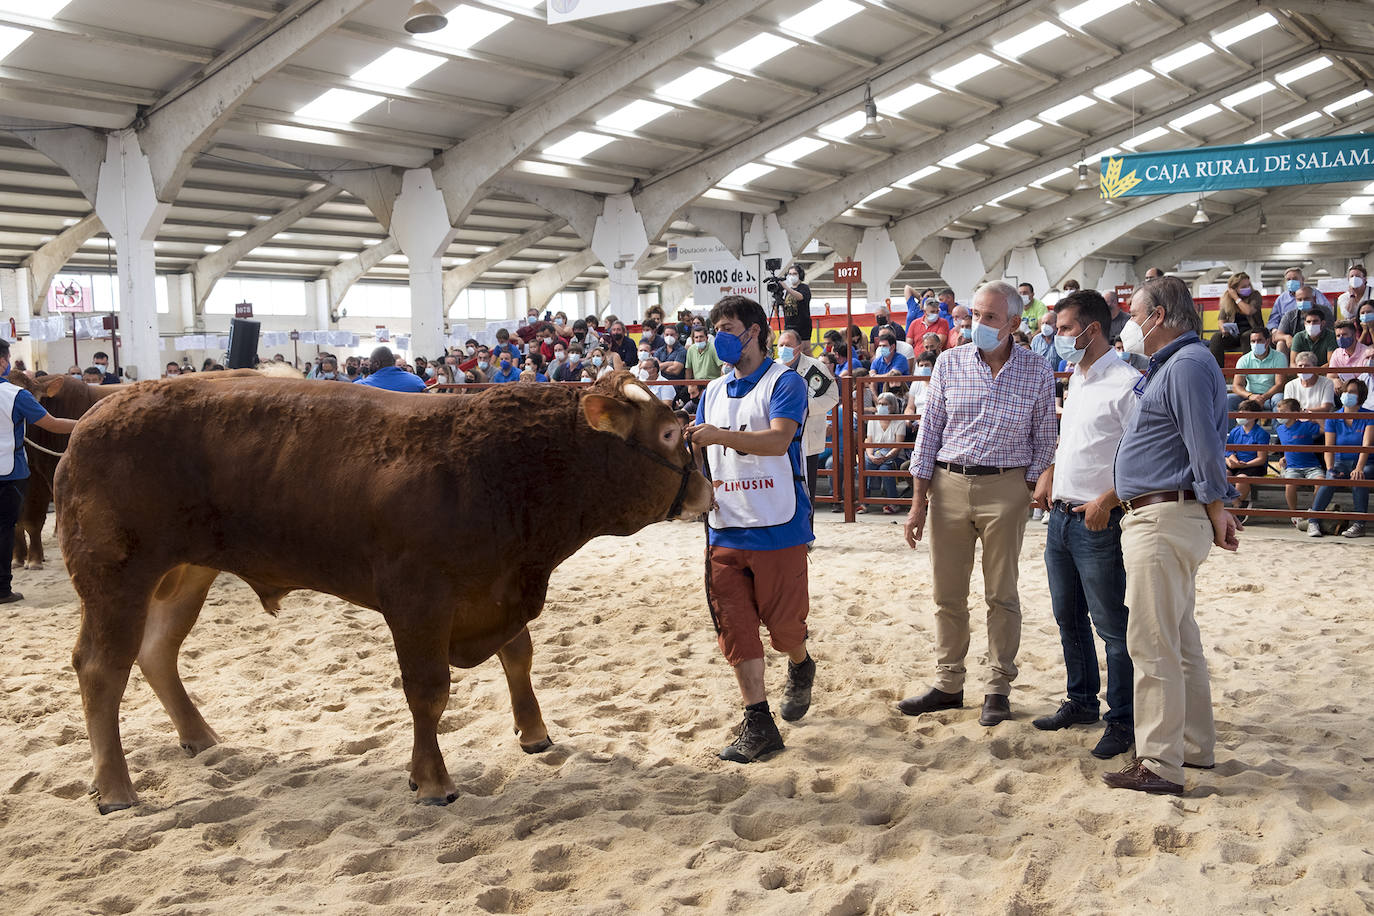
1341 471
889 484
1087 579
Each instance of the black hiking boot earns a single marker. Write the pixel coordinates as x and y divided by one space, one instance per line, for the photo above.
756 737
796 696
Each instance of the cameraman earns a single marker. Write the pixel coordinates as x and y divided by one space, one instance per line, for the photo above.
796 303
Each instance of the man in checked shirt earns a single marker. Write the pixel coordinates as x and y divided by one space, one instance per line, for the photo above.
988 432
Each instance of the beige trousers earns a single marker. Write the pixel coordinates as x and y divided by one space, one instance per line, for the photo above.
1163 546
963 511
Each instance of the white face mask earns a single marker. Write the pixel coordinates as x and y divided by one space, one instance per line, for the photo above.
1356 282
1133 337
670 339
792 280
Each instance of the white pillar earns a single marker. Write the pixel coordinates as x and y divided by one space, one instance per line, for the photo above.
963 269
419 222
1024 264
182 294
132 214
320 301
767 237
619 241
880 260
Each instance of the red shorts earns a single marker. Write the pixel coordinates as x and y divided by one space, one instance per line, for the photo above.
753 587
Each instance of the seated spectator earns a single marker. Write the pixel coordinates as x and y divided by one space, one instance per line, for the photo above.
533 368
506 370
1357 430
1291 430
1316 337
548 342
1310 390
934 343
649 335
1267 389
1042 344
620 349
961 331
601 364
702 361
916 394
171 371
504 344
1291 323
1247 431
672 355
924 318
886 455
93 376
1240 311
1366 324
1032 309
845 364
882 318
886 359
386 375
858 345
649 374
1348 304
328 370
1349 351
1021 339
560 326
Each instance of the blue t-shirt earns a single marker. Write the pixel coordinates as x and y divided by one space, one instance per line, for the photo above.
506 375
393 379
789 403
1352 434
26 410
883 366
1238 436
1304 432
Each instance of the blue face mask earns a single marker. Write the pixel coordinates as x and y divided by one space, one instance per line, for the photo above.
729 347
984 337
1294 286
1067 349
883 353
1259 349
1367 318
505 364
786 354
1125 357
884 410
483 365
1349 399
966 333
923 371
597 361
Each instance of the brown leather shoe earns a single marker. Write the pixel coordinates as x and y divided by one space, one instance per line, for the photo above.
930 701
1139 777
996 708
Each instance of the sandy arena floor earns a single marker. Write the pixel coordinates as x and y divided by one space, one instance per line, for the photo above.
304 807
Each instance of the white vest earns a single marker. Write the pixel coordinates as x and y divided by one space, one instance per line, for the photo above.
8 392
752 491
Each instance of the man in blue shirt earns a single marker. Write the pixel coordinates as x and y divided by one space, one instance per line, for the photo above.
1170 474
672 356
886 359
748 426
506 371
23 408
1303 465
1287 299
386 375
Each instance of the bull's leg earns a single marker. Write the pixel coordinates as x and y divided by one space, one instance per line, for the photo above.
517 657
111 630
171 614
32 516
21 553
425 678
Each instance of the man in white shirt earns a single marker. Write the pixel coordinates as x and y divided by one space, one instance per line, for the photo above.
1087 576
823 393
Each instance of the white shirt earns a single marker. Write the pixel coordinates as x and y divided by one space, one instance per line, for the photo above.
1098 406
1310 397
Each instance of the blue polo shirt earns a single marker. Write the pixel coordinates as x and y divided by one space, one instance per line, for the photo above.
1351 433
1239 436
392 379
1303 432
506 375
883 366
788 402
26 410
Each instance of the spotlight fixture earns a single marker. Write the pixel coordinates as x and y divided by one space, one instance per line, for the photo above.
1084 183
425 17
1264 221
871 129
1201 215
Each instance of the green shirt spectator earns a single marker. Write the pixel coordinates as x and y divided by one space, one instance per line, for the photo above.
1315 337
1033 309
702 361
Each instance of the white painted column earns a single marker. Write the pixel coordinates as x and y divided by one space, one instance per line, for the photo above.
881 262
962 269
619 241
132 214
420 224
1024 265
320 302
181 290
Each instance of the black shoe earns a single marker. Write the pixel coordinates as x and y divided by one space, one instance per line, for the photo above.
1068 713
796 696
996 708
11 598
1200 766
757 736
1117 739
930 701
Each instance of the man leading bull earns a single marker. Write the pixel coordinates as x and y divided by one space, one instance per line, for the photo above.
22 408
749 424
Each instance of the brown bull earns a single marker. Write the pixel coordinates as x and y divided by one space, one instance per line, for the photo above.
62 396
167 483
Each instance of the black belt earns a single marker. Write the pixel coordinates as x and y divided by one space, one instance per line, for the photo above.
971 470
1064 505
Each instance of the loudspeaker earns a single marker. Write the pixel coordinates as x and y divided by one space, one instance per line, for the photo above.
243 342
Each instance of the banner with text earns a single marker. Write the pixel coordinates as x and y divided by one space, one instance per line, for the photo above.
1319 160
716 272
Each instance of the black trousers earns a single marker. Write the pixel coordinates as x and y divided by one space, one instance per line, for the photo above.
11 498
813 465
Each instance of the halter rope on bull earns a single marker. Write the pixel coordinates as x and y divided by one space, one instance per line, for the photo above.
46 451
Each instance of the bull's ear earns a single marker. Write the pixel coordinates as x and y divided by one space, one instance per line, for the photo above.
49 385
609 415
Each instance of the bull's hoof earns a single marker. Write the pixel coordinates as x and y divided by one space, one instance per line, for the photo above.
192 748
441 801
112 807
538 747
33 565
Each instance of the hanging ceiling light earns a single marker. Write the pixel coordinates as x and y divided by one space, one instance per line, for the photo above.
1264 221
871 129
425 17
1201 215
1084 183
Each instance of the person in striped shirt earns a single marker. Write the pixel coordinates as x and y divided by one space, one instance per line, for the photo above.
988 432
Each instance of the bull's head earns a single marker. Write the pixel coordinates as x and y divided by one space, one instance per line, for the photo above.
622 406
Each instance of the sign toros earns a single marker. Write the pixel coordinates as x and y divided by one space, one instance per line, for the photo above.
848 272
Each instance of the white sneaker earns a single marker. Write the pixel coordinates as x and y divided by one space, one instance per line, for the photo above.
1356 530
1314 529
1037 514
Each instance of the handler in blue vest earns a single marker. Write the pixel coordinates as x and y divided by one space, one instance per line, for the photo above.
749 424
22 408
